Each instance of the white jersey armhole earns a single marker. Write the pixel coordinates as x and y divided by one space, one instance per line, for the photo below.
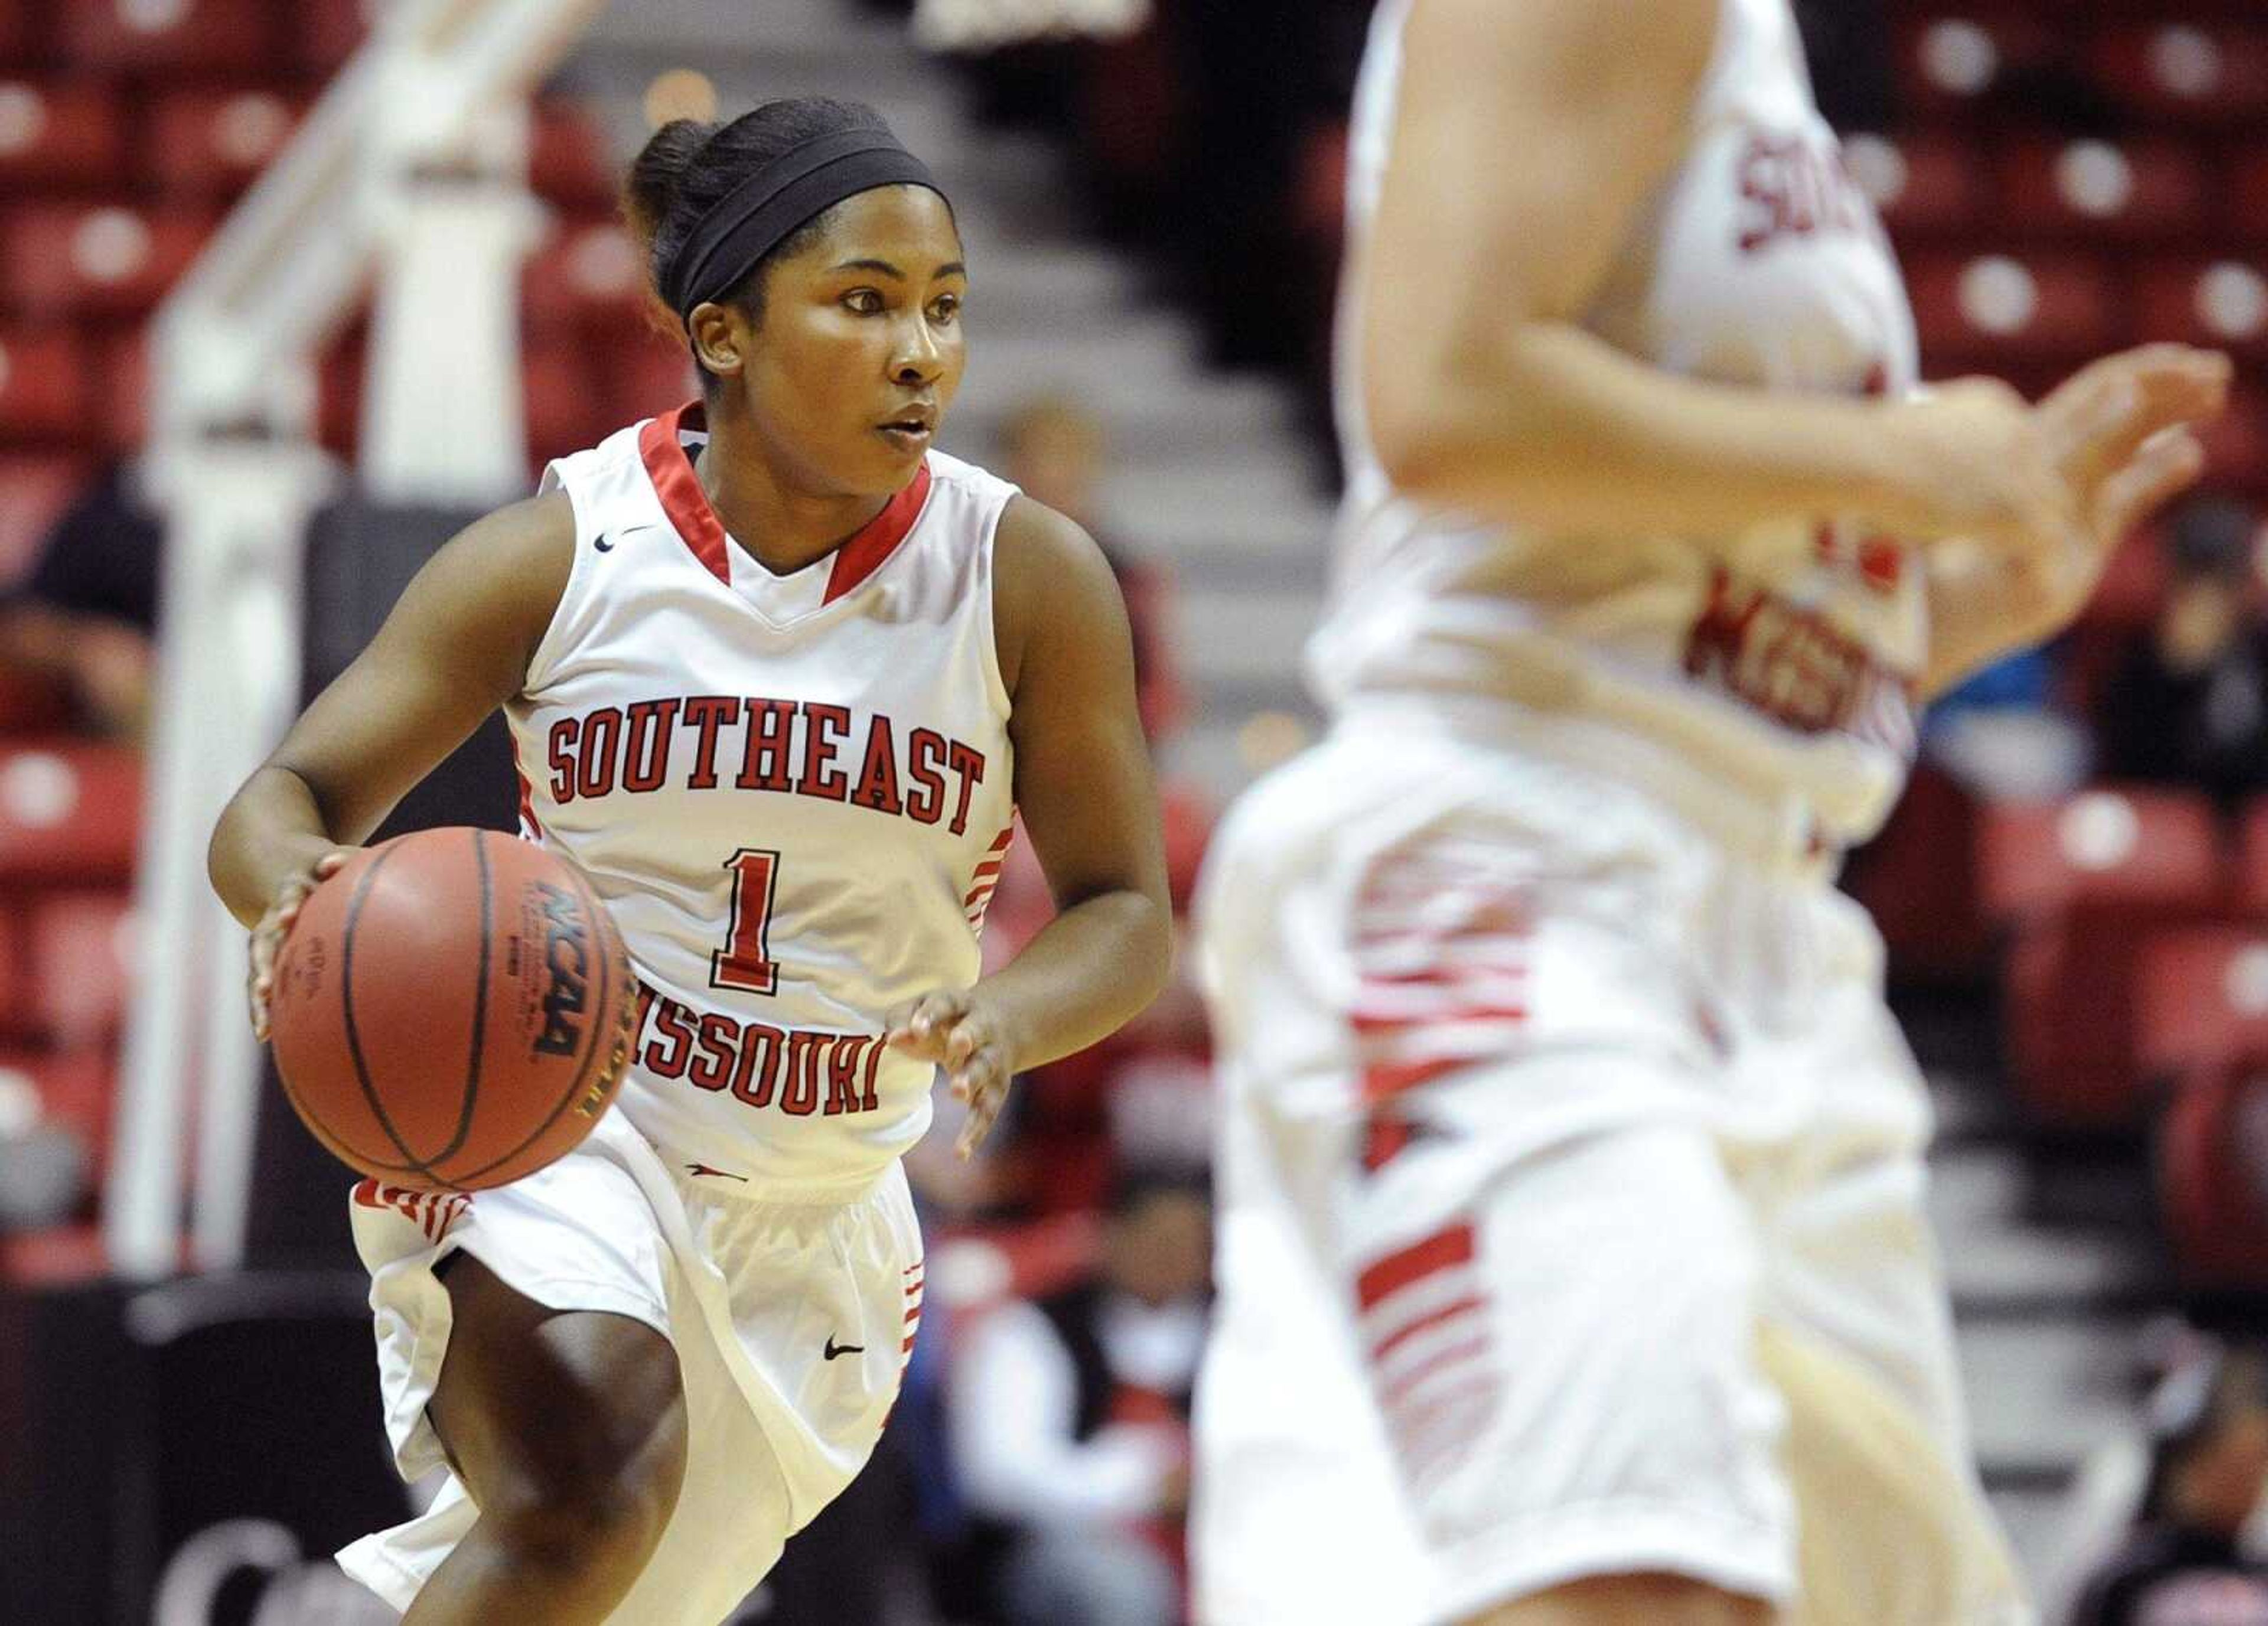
995 684
552 645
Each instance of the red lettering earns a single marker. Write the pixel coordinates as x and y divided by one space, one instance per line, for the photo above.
564 733
873 1099
667 1060
763 753
824 727
646 753
843 1074
715 1057
760 1042
602 736
799 1092
708 713
925 755
969 762
877 776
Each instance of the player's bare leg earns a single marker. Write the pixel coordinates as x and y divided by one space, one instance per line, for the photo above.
569 1431
1631 1601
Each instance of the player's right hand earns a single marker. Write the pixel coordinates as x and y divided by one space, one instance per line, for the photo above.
274 926
1979 463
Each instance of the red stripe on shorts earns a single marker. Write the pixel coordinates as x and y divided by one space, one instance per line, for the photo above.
1442 1251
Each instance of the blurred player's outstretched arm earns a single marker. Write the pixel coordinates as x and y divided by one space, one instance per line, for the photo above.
1529 140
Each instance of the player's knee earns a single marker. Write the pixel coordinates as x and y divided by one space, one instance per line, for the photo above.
1632 1600
600 1503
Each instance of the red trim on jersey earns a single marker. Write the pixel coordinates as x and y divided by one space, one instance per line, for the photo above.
687 505
864 554
527 820
1433 1318
1413 1264
683 499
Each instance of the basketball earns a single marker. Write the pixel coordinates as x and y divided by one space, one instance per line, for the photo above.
452 1009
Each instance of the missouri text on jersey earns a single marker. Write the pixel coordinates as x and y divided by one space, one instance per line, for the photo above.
791 746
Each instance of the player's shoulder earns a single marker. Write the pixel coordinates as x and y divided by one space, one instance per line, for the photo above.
1052 581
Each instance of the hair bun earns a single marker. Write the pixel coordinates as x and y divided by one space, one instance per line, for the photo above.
659 172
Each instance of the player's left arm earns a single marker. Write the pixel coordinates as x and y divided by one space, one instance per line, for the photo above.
2124 430
1089 803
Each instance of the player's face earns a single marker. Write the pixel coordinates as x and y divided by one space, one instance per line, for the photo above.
860 350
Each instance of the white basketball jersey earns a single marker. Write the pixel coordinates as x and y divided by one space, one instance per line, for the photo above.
1785 658
793 792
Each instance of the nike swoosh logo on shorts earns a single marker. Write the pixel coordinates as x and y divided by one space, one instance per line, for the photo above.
834 1349
703 1168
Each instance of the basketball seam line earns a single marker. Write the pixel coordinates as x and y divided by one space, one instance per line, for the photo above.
479 1010
354 1035
599 925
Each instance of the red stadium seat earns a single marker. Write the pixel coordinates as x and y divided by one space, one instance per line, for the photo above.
60 136
585 276
91 260
188 36
1947 63
2095 190
2222 303
42 385
70 812
1928 184
2185 70
35 487
80 946
2237 442
213 142
2212 1158
2252 858
19 40
1918 880
2203 997
2246 215
2041 307
325 33
568 163
121 408
2124 846
2088 884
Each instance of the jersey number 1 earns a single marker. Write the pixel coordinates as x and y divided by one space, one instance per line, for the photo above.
744 962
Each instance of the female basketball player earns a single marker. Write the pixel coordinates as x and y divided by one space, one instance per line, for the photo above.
780 676
1573 1261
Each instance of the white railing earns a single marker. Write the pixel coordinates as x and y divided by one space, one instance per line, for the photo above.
407 179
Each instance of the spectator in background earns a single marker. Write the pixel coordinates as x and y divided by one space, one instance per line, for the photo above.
86 618
2181 1566
2188 703
1068 1420
1056 449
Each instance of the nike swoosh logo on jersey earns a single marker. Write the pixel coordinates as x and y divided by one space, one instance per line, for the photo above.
703 1168
834 1349
607 544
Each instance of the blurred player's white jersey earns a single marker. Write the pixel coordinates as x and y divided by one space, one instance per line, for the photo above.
1785 658
793 792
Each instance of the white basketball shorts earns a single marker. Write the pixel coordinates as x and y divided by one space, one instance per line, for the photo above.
1571 1206
754 1293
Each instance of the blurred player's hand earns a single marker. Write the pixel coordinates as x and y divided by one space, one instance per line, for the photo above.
1980 465
958 1031
268 935
2123 435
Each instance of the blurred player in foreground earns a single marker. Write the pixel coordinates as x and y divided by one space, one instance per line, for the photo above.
1574 1262
780 676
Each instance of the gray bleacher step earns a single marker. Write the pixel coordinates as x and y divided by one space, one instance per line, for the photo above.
1148 421
1997 1261
1048 285
2043 1395
1246 635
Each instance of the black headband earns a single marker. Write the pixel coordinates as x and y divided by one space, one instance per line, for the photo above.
757 216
